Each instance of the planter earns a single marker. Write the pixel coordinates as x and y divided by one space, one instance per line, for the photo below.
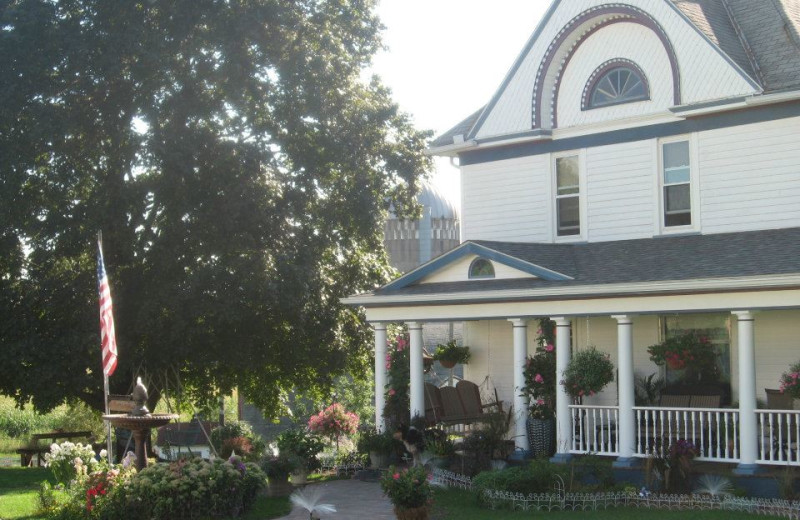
378 459
541 436
447 364
412 513
299 477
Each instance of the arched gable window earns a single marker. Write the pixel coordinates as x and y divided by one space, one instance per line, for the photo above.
615 82
481 268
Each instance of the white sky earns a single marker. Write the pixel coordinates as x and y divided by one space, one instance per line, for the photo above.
446 58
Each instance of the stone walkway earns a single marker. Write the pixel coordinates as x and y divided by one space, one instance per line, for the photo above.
353 499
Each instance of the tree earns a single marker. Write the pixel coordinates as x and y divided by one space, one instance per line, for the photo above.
239 167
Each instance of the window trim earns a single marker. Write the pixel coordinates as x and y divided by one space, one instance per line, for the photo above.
582 199
694 186
474 261
600 73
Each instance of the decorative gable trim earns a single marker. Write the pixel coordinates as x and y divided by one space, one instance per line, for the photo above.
471 248
605 15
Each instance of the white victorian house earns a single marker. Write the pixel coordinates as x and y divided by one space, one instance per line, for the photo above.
636 172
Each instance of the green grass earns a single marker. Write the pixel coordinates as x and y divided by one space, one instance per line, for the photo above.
265 508
457 504
19 488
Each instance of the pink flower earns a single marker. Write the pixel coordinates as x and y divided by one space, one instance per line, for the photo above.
549 347
392 391
540 402
538 378
388 366
396 476
388 357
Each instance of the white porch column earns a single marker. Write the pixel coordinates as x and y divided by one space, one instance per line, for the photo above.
748 431
626 392
380 375
520 400
563 400
416 392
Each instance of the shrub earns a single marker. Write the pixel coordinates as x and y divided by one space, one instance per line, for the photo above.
333 422
235 430
537 477
588 372
278 468
302 444
67 461
194 488
373 441
790 381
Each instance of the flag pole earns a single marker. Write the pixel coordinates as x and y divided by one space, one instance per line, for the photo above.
109 443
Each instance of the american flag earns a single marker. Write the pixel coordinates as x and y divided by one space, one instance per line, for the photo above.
107 338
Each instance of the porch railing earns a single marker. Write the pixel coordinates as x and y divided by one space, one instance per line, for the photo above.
713 431
779 431
596 429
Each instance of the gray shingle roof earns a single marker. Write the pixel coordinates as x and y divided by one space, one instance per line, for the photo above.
761 36
689 257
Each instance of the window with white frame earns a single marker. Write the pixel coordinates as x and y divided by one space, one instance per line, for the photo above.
568 208
676 177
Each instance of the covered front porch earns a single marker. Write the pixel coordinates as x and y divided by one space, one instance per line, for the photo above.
763 327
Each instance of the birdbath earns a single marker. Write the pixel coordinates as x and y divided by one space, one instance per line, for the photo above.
140 421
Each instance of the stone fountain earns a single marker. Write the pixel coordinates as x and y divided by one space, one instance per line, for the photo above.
140 421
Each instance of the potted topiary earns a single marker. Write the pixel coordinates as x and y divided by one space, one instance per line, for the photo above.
377 445
304 446
588 372
450 354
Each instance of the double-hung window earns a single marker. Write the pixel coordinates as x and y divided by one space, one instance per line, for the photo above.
676 180
568 207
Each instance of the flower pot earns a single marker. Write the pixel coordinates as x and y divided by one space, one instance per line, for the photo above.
411 513
446 363
299 477
541 436
378 459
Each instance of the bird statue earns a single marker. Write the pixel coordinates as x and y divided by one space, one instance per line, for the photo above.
139 396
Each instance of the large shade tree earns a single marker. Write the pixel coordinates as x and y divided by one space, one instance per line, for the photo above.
239 163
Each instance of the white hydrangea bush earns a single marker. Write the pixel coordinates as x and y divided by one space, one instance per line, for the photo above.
69 460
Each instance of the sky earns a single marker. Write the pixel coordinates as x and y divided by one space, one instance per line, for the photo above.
446 58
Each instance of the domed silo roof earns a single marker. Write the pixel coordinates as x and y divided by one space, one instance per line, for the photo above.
430 197
411 243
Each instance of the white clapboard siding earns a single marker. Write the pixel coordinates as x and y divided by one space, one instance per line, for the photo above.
705 73
750 177
620 191
506 200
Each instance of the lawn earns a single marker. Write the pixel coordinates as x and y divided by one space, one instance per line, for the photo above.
19 491
457 504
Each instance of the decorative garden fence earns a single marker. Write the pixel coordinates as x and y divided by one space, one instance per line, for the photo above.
593 501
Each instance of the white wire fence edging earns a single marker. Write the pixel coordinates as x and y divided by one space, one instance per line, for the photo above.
595 501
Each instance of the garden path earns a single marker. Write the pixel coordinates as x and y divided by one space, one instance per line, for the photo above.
353 499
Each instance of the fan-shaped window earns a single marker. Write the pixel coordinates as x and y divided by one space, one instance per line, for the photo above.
481 268
614 83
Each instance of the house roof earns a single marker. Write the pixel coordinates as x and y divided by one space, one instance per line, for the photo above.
662 259
761 37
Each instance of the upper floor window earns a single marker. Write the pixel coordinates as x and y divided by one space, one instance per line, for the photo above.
481 268
676 177
568 209
615 82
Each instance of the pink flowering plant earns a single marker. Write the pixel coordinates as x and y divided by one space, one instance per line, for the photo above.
334 422
692 352
397 405
408 488
588 372
540 373
790 381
